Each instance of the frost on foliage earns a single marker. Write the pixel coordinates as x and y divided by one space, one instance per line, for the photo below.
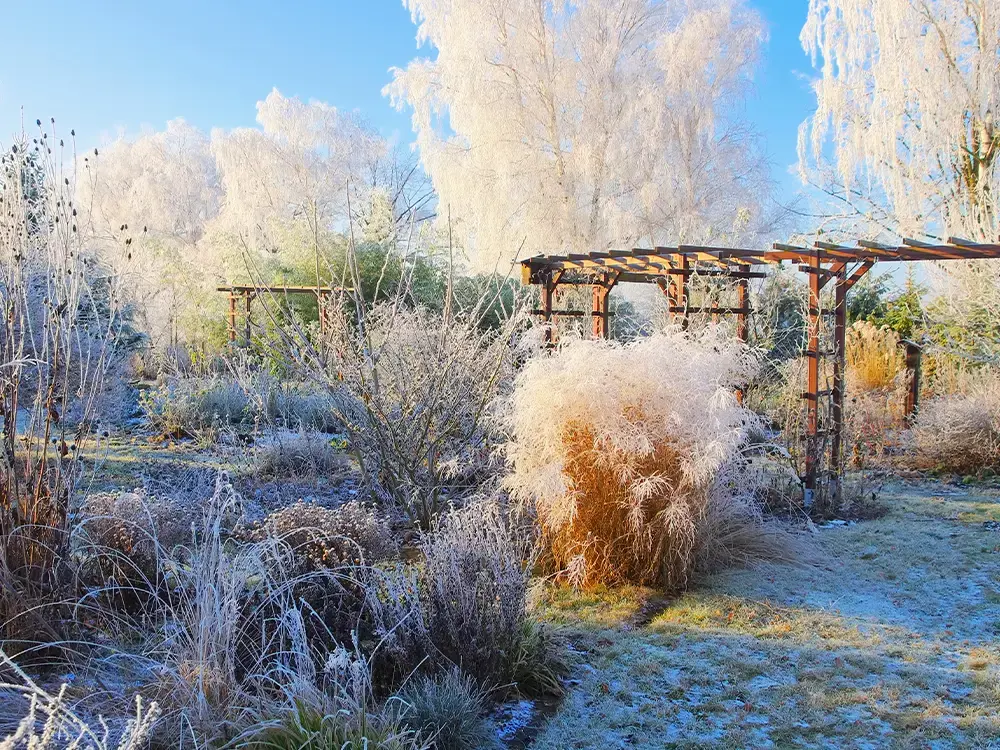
49 722
586 124
907 105
309 153
624 449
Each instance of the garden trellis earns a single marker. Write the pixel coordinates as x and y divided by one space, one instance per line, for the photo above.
672 269
242 296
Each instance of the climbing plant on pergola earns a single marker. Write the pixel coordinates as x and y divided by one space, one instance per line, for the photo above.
672 268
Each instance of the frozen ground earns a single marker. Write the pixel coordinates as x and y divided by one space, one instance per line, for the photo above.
889 640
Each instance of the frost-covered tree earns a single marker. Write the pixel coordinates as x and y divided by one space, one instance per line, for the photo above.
905 132
585 124
296 167
274 197
164 187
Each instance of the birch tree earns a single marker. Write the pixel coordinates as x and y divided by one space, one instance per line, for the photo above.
905 132
162 189
295 169
586 124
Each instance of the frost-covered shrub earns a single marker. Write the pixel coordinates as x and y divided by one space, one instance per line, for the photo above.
464 604
320 537
414 392
960 432
184 407
122 536
302 454
619 448
296 405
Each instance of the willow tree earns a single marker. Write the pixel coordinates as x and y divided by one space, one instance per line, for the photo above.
584 124
905 131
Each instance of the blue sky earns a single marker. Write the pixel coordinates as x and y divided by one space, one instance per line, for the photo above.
107 65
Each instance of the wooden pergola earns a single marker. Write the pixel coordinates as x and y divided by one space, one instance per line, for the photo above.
242 296
671 269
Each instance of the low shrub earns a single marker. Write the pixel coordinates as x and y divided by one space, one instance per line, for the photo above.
190 406
619 449
121 540
323 538
293 455
296 405
186 407
464 604
960 432
449 711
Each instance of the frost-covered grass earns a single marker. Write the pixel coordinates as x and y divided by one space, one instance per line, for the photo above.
890 640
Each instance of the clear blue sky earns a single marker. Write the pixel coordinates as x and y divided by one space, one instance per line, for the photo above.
106 65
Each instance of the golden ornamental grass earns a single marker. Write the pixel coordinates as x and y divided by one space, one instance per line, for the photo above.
613 538
874 357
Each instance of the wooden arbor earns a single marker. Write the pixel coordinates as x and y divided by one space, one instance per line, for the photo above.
243 297
672 268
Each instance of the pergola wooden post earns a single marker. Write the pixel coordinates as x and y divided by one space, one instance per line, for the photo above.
248 301
814 322
600 291
681 289
913 356
839 383
248 293
743 303
231 322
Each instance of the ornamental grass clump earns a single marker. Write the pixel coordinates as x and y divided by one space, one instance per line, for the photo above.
621 448
874 358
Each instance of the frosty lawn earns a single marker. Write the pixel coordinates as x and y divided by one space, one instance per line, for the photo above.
889 641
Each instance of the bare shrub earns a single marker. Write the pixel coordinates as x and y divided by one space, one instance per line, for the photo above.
960 432
322 538
298 455
618 448
414 390
449 710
